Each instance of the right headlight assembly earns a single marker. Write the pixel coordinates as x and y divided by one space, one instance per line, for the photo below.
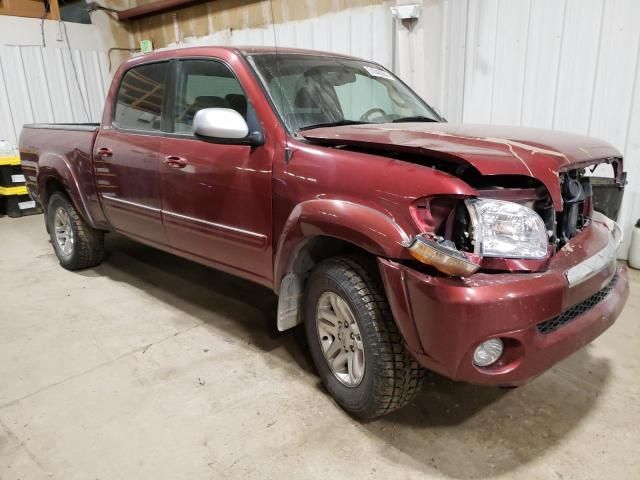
507 230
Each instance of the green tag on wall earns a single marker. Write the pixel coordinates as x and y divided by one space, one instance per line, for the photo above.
146 46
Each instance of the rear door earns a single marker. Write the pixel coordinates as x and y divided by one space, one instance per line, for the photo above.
126 155
216 198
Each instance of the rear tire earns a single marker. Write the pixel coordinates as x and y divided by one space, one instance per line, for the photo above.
76 244
388 377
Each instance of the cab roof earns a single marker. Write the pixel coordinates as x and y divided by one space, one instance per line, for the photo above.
165 52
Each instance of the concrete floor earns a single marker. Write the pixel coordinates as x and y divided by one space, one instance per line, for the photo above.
150 366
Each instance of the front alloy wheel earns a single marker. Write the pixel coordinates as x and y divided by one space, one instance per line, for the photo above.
353 338
340 339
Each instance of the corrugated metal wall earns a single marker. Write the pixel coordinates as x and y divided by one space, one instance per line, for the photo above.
362 32
49 84
38 84
568 65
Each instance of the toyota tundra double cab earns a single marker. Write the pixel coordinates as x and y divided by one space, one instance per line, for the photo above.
400 241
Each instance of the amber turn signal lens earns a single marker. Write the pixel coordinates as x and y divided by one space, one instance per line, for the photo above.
445 259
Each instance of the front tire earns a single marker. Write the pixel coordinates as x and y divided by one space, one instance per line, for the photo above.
75 243
353 339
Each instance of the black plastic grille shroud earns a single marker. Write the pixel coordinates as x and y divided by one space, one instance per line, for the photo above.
574 312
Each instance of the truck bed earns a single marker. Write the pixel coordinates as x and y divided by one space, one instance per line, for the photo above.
62 153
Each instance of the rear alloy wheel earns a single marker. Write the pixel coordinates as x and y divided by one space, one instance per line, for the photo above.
63 231
75 243
354 341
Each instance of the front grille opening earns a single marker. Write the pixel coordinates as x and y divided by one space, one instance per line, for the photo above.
576 199
574 312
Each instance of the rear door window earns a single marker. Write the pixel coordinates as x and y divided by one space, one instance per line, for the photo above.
141 97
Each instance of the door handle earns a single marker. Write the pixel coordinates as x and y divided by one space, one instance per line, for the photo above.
175 162
104 152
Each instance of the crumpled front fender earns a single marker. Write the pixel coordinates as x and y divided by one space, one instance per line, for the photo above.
366 227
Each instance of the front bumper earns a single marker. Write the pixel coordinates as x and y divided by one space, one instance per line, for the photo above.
443 319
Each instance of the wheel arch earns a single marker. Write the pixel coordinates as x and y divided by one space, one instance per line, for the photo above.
321 224
320 229
52 185
55 174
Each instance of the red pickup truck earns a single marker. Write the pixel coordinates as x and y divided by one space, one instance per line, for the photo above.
400 241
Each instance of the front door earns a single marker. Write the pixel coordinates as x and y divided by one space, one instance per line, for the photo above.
216 198
126 155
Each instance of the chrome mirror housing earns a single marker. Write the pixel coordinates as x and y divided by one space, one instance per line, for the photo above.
220 123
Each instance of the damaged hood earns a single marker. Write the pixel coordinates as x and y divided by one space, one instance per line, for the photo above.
492 150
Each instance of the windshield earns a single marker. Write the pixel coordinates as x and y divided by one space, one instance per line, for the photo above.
314 90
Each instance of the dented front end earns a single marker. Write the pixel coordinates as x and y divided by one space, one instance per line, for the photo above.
540 307
524 268
540 317
540 171
511 225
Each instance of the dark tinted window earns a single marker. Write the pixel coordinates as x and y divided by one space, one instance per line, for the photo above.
140 97
205 84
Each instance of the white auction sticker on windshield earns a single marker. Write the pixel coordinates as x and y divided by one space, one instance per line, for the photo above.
376 72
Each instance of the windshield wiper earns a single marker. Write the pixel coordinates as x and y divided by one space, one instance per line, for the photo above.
338 123
416 118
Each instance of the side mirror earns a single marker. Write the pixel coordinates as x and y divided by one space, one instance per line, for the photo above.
225 125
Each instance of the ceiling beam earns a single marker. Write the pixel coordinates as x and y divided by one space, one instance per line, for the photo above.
153 7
